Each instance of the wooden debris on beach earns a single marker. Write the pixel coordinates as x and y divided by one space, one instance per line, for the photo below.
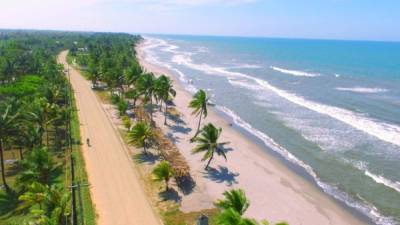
167 149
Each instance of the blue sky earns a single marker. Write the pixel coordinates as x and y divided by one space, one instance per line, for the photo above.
326 19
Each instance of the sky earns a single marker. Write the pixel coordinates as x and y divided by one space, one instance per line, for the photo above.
318 19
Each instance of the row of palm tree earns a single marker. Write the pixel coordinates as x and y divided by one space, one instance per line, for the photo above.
235 203
24 125
31 124
27 126
207 137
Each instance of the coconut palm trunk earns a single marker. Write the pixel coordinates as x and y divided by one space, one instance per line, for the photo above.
151 108
198 125
3 172
209 161
165 113
21 154
166 183
144 147
47 135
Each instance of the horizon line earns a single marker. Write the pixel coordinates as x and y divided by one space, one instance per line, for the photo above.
207 35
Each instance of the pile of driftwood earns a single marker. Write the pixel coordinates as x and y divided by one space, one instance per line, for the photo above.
167 149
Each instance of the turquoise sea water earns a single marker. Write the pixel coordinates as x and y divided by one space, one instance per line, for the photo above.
331 108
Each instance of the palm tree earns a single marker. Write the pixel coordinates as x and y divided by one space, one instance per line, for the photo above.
235 199
140 135
94 73
231 217
145 86
132 94
42 114
233 206
199 104
53 204
8 128
132 73
165 91
35 195
208 142
163 172
58 205
37 167
31 136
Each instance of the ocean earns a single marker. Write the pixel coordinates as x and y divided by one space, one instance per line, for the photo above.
329 109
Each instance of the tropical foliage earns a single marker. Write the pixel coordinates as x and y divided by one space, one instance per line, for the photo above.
235 199
163 172
207 142
199 106
35 111
233 207
140 135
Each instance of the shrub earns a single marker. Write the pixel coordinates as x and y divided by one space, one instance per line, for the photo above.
127 122
122 107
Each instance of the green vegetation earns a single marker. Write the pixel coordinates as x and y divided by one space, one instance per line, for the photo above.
140 135
36 114
163 172
111 65
233 206
235 199
164 91
199 104
208 142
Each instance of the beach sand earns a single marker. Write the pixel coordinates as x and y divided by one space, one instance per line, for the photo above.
275 192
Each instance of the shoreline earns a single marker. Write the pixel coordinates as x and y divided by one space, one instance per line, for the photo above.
282 196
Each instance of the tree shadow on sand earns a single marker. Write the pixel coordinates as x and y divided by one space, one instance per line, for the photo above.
170 194
148 158
176 118
221 175
186 185
173 138
180 129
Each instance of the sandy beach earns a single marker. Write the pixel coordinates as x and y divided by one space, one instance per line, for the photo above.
275 192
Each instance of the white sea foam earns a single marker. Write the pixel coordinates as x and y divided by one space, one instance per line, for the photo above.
170 48
252 83
365 207
384 131
382 180
295 72
244 84
364 90
395 185
246 66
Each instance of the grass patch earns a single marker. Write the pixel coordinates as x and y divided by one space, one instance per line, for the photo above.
104 96
176 217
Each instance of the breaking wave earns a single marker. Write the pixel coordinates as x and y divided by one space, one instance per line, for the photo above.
364 90
296 73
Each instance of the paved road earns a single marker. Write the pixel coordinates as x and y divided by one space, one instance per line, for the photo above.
116 192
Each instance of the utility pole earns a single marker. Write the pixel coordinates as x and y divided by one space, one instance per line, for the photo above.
78 186
74 217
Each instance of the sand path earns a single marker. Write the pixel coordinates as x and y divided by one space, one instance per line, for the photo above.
114 183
